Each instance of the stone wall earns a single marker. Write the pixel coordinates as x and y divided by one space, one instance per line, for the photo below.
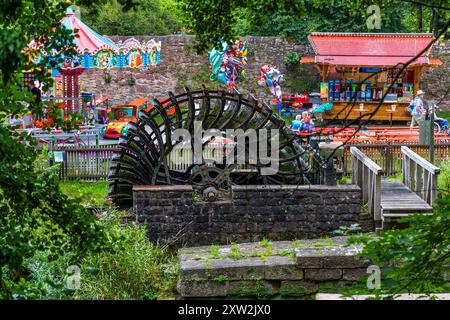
268 269
254 213
436 81
181 66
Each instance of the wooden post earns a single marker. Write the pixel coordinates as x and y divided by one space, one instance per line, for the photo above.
377 198
417 74
419 181
325 69
431 149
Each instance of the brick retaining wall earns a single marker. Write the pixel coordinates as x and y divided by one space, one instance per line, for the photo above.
254 213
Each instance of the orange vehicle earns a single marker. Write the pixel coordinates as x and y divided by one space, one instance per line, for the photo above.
121 115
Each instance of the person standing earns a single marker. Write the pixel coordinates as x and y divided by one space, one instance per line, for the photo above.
35 91
419 110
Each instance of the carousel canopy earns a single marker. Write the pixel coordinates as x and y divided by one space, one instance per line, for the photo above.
87 38
97 51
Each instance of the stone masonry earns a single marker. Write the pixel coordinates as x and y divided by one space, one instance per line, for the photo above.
254 213
181 66
296 269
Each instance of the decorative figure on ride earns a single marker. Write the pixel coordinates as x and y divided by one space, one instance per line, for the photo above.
135 59
295 125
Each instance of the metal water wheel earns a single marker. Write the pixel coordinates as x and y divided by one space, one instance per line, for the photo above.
146 155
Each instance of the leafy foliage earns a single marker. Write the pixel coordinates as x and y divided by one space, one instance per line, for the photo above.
211 20
414 259
34 215
292 59
147 17
136 269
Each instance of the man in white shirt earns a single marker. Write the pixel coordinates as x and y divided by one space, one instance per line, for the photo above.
419 109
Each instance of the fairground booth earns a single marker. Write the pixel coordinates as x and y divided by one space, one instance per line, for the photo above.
358 68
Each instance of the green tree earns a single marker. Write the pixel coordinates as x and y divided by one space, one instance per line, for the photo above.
211 20
147 17
34 214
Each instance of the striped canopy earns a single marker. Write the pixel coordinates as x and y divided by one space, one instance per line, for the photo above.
87 38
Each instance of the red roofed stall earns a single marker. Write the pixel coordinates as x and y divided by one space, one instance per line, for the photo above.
357 69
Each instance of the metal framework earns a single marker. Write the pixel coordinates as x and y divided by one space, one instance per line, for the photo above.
143 158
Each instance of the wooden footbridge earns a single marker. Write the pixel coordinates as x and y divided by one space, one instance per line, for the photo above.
389 200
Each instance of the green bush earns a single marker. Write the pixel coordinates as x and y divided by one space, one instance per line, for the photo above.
292 60
36 217
420 252
132 268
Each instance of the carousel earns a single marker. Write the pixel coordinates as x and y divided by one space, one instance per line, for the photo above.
92 51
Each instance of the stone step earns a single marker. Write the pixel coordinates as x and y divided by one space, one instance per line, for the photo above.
282 267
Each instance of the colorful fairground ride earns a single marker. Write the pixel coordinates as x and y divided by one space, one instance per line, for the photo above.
120 116
94 51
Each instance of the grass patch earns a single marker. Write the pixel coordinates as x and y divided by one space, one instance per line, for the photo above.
235 252
396 177
214 252
325 242
89 193
137 269
445 115
289 253
444 178
221 278
287 119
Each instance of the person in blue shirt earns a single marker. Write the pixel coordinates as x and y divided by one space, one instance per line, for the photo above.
307 122
297 123
418 112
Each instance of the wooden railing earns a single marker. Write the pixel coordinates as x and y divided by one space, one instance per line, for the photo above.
389 156
419 175
367 175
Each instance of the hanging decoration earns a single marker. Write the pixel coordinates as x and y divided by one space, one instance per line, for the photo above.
227 64
271 77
